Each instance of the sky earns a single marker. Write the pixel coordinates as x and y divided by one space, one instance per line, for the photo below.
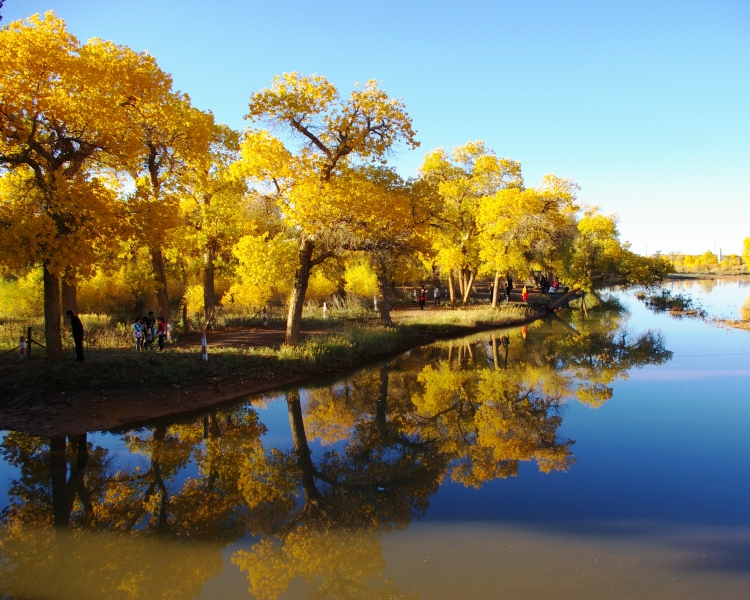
645 104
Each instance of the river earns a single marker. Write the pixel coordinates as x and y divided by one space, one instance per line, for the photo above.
599 456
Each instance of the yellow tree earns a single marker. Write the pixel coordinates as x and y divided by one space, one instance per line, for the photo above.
321 185
395 234
596 251
61 116
472 172
170 133
214 208
523 229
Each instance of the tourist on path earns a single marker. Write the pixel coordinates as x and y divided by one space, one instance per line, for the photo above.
150 331
138 334
161 331
525 294
76 328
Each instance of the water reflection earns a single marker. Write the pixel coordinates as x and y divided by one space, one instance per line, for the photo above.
745 310
83 521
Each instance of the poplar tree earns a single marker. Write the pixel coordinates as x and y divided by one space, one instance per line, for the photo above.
62 120
321 184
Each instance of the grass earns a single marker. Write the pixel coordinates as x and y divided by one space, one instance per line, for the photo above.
344 342
676 304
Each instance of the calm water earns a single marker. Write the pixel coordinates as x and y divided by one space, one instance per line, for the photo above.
606 457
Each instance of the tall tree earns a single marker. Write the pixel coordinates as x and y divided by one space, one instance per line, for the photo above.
213 208
320 184
526 229
171 132
62 116
471 173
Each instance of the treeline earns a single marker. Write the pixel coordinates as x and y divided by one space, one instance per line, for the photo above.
708 262
116 192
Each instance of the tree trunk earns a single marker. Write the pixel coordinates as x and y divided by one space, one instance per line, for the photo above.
301 447
69 296
382 404
495 286
297 297
157 451
451 288
461 283
59 475
52 326
160 274
468 286
385 309
209 291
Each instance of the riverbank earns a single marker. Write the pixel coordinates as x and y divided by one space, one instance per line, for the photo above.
119 388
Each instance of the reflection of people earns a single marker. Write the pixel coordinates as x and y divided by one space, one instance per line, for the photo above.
76 328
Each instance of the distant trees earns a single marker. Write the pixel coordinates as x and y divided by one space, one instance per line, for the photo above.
708 262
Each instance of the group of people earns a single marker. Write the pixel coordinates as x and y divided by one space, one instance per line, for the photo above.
549 285
423 297
147 329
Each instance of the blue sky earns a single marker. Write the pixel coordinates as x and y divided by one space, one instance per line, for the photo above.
644 103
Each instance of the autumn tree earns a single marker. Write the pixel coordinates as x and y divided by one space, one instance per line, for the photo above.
470 174
394 235
214 208
170 133
321 184
526 229
62 117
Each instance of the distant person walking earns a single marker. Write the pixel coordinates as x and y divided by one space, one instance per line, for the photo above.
436 295
422 298
525 294
76 328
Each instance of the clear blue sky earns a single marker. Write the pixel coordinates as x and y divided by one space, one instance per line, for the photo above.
646 104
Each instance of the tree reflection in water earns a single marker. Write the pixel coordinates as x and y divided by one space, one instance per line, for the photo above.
470 411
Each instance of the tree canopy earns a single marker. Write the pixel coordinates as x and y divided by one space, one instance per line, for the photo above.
112 180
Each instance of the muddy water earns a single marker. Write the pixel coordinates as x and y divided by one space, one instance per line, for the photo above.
576 458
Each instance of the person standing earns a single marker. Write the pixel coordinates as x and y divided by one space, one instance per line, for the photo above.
436 295
161 331
422 298
525 294
138 334
76 328
150 330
